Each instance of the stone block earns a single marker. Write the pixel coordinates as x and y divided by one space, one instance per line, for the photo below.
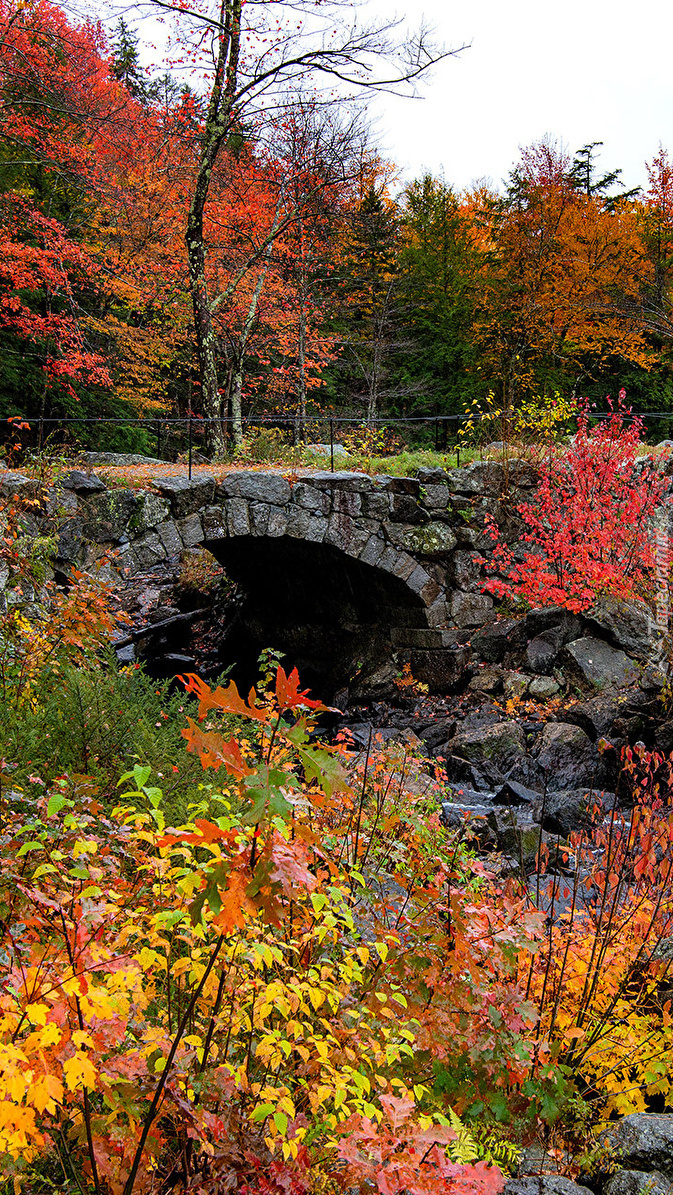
277 523
406 509
215 522
107 516
310 498
238 516
82 483
347 534
373 550
435 497
257 487
168 534
398 485
148 550
376 505
472 609
301 524
186 497
150 511
361 482
464 569
347 502
603 666
433 540
191 530
259 517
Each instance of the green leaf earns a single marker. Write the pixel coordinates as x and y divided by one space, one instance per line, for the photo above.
56 804
262 1112
141 775
280 1121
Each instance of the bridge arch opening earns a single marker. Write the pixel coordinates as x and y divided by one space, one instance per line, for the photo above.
333 616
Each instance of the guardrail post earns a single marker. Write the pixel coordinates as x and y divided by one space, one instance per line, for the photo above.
158 439
331 445
190 447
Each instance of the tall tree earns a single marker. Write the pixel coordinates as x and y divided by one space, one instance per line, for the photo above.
255 58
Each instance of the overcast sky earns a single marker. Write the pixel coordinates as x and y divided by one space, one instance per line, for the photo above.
584 70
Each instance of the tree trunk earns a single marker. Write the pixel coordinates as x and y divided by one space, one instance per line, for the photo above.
217 127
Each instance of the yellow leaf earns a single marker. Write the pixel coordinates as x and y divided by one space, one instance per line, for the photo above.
79 1071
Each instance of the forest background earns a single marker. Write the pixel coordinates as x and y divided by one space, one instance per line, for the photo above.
332 287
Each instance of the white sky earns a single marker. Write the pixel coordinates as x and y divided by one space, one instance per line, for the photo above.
582 70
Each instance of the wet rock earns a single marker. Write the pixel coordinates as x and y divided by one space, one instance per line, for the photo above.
470 796
638 1182
465 569
516 833
82 483
493 749
601 665
564 812
515 684
642 1141
629 624
438 732
544 1184
469 819
542 652
471 609
186 497
512 793
494 642
486 680
567 756
597 715
542 687
549 618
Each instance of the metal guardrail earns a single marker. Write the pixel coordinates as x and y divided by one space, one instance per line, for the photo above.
193 425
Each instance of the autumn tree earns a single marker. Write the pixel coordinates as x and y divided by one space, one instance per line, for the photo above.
563 300
255 61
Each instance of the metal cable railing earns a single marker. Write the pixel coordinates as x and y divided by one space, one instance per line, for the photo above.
193 428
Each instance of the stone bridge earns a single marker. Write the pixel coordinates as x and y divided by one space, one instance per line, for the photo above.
341 570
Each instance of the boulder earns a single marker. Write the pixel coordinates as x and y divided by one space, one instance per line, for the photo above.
542 652
494 642
471 609
515 684
557 618
516 833
601 665
544 1184
542 687
486 680
574 809
597 715
629 624
494 750
513 793
638 1182
567 756
469 819
642 1141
